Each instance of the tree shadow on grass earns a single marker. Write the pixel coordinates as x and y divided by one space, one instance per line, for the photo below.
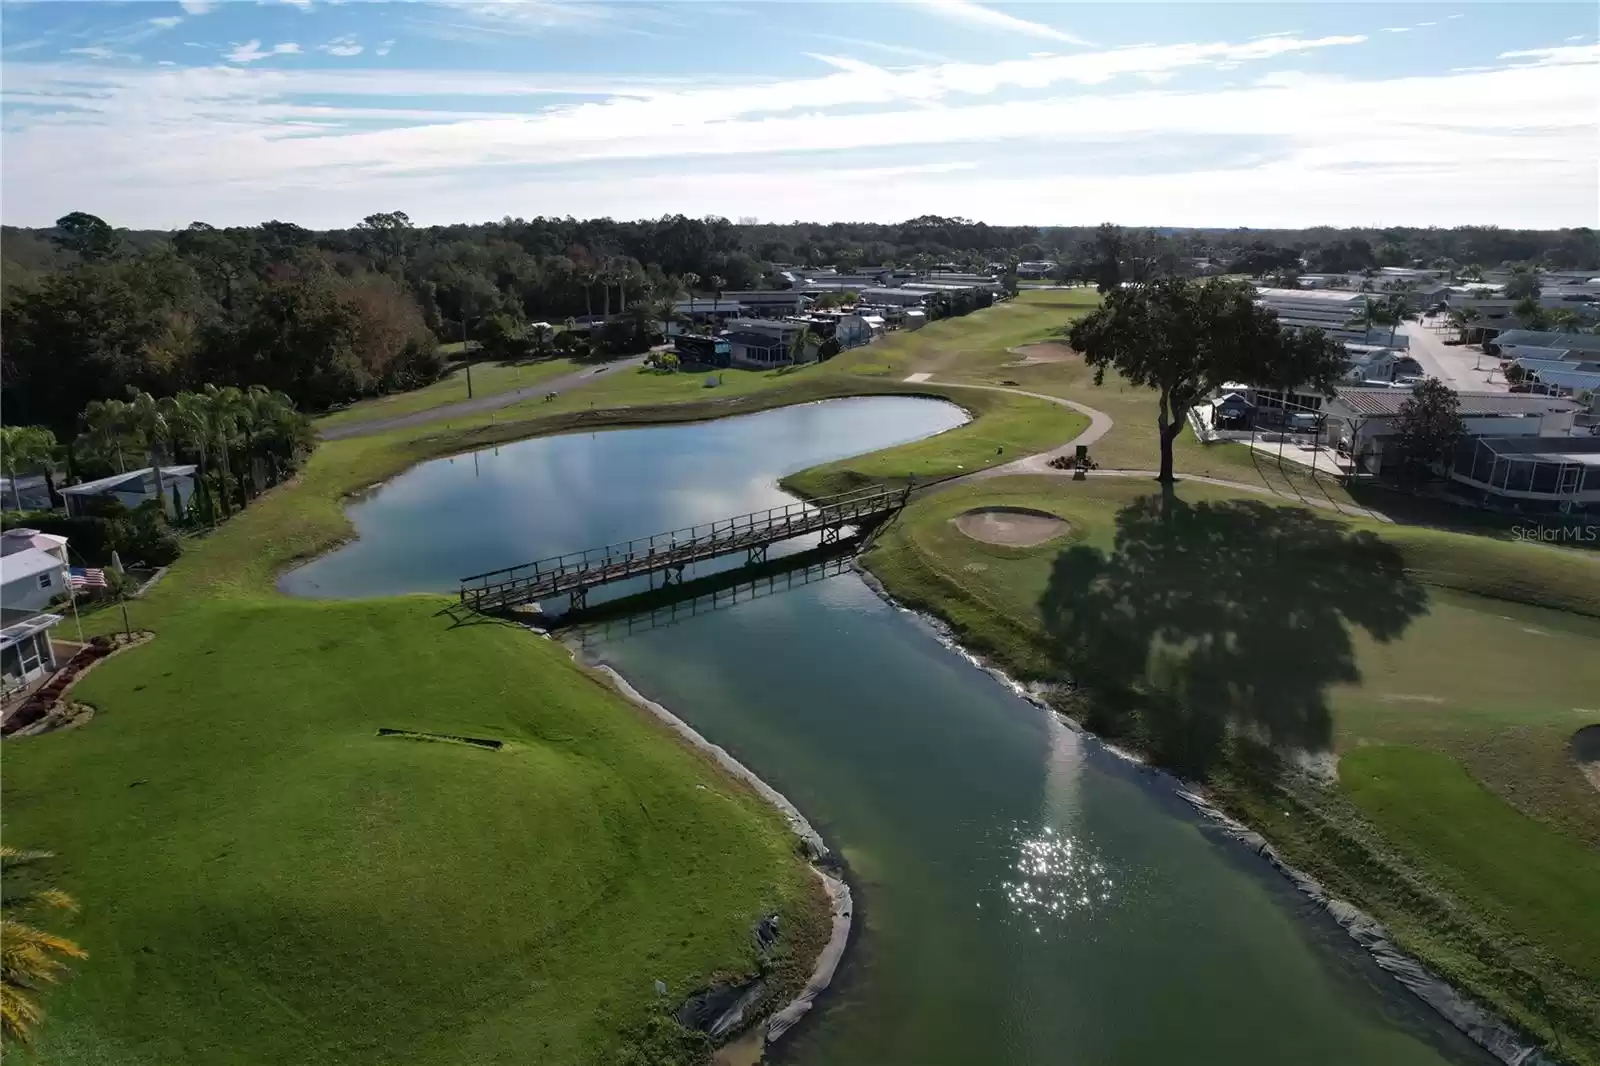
1215 615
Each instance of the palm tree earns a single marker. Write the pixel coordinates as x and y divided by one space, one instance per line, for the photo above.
587 280
24 447
666 312
540 333
29 957
107 426
277 429
149 422
189 420
798 345
690 280
717 285
225 407
1564 320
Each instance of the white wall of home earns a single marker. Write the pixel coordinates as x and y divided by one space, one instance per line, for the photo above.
34 592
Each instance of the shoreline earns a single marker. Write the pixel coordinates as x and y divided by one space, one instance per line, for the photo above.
781 1019
1485 1029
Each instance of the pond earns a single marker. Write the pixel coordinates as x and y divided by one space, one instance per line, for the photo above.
1024 896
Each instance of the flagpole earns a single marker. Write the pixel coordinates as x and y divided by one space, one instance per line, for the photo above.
72 594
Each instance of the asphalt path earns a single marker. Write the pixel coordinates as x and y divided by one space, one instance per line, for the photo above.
483 404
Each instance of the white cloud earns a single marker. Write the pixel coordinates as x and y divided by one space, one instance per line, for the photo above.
1561 55
1457 15
496 19
341 46
888 48
197 7
1576 37
1420 25
251 51
94 51
383 49
166 22
978 15
1397 29
237 144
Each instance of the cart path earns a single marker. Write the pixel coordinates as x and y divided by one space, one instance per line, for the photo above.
480 405
1100 424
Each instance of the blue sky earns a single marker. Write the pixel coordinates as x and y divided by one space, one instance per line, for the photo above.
154 114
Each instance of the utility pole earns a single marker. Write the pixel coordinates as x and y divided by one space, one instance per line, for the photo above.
466 354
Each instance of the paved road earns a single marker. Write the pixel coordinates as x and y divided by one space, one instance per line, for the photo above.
482 404
1455 365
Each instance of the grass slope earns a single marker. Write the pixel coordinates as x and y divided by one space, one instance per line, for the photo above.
1462 821
266 879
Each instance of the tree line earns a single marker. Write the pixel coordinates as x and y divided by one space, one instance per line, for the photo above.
329 316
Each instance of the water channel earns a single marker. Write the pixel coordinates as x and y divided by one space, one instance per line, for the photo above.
1025 897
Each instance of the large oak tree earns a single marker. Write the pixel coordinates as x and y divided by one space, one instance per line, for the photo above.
1186 338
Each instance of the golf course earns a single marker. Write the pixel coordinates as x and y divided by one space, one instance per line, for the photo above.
267 876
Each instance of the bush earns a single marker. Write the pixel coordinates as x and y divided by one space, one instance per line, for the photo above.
90 539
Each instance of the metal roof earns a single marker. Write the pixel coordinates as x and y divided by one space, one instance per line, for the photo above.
1531 338
1585 450
16 631
1563 374
115 481
27 563
1381 401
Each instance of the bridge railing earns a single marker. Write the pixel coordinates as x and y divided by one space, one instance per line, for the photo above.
641 553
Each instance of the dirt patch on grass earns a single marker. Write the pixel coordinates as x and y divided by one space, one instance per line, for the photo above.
1586 752
1045 352
1011 527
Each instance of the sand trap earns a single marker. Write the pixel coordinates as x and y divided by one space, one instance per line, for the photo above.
1047 352
1586 752
1011 527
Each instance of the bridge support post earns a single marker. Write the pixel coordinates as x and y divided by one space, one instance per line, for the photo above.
578 599
830 534
756 554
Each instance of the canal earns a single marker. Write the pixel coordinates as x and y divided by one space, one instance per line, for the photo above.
1024 896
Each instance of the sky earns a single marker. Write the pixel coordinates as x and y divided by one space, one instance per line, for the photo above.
153 114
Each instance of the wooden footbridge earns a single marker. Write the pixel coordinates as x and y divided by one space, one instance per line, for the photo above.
575 573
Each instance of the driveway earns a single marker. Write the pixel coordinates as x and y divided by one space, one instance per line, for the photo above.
1455 365
482 404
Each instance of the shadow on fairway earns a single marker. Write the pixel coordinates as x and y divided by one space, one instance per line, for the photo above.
1208 615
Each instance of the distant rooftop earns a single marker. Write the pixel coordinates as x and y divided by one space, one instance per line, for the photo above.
1386 401
1532 338
1327 296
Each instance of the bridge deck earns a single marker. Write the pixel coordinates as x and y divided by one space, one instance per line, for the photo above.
576 572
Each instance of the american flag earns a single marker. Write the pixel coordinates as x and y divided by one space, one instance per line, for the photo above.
80 577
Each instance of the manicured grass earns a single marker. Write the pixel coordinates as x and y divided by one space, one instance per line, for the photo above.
1533 878
265 879
1475 691
1004 428
488 379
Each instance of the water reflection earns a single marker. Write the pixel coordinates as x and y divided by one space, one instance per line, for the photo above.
426 528
1057 877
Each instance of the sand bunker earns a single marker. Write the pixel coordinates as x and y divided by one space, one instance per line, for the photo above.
1011 527
1586 751
1046 352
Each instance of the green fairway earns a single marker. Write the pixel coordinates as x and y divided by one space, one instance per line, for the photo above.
266 879
1475 654
1534 878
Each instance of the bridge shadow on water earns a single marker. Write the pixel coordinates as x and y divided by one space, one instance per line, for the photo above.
1208 616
